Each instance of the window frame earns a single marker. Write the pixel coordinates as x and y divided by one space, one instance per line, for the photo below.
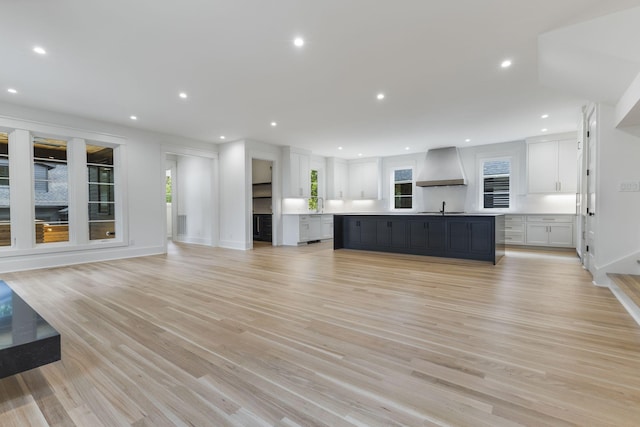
481 178
23 192
392 189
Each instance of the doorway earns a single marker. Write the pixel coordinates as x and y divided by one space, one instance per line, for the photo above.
262 202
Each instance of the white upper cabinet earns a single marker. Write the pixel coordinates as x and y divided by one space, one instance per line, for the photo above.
296 172
553 166
337 178
364 179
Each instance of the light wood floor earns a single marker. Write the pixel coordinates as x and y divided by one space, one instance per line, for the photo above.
308 336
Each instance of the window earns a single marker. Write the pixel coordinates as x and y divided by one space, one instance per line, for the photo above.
5 217
402 188
313 199
51 190
496 183
102 221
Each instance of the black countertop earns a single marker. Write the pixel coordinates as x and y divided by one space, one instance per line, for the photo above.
26 339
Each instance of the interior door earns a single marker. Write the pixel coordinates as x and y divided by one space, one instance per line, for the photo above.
589 248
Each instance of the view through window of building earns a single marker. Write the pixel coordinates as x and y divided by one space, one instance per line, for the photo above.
496 176
51 190
102 220
5 211
403 188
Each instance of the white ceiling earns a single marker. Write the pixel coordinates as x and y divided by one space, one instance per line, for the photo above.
437 61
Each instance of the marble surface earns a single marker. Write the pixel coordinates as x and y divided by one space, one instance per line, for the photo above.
26 339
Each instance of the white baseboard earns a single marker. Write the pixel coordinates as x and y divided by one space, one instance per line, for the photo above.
626 302
60 259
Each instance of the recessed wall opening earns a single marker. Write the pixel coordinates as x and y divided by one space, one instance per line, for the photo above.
262 202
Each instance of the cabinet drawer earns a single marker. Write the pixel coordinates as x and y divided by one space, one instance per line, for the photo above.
514 219
514 237
550 219
514 227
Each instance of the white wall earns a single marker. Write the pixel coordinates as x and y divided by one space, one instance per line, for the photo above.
144 172
234 196
522 201
194 191
617 213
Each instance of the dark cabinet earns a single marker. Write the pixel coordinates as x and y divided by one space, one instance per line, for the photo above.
470 237
391 234
262 226
426 236
481 237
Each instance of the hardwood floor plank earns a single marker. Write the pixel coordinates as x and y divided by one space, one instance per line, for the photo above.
308 336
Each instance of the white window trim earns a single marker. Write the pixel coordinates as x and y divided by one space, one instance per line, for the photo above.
481 162
392 195
27 246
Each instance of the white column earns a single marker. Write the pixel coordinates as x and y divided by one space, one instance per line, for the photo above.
21 192
78 191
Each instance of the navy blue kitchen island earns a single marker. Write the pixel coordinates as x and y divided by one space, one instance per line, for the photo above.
26 339
466 236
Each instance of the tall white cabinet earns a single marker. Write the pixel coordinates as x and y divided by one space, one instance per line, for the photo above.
296 172
364 179
337 178
553 166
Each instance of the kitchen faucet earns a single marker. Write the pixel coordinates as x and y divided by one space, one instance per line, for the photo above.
443 205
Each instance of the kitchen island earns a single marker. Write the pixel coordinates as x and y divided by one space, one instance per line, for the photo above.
466 236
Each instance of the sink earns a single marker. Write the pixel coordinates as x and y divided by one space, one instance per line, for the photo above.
445 214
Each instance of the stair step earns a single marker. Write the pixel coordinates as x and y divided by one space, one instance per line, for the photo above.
629 285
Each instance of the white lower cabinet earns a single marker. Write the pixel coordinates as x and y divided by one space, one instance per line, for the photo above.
327 226
539 230
306 228
514 229
550 230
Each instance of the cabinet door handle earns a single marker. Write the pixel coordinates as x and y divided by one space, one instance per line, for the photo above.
559 186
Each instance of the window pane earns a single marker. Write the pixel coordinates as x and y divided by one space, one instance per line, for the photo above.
5 216
403 175
497 167
102 230
102 192
99 155
402 188
101 211
402 202
50 182
313 200
496 184
101 174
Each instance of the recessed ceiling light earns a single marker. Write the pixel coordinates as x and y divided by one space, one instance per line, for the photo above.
407 148
543 129
223 137
467 140
339 148
183 95
133 117
39 50
380 96
11 90
274 124
298 42
359 154
506 63
544 116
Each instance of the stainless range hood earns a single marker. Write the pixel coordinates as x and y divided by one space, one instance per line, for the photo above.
442 167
